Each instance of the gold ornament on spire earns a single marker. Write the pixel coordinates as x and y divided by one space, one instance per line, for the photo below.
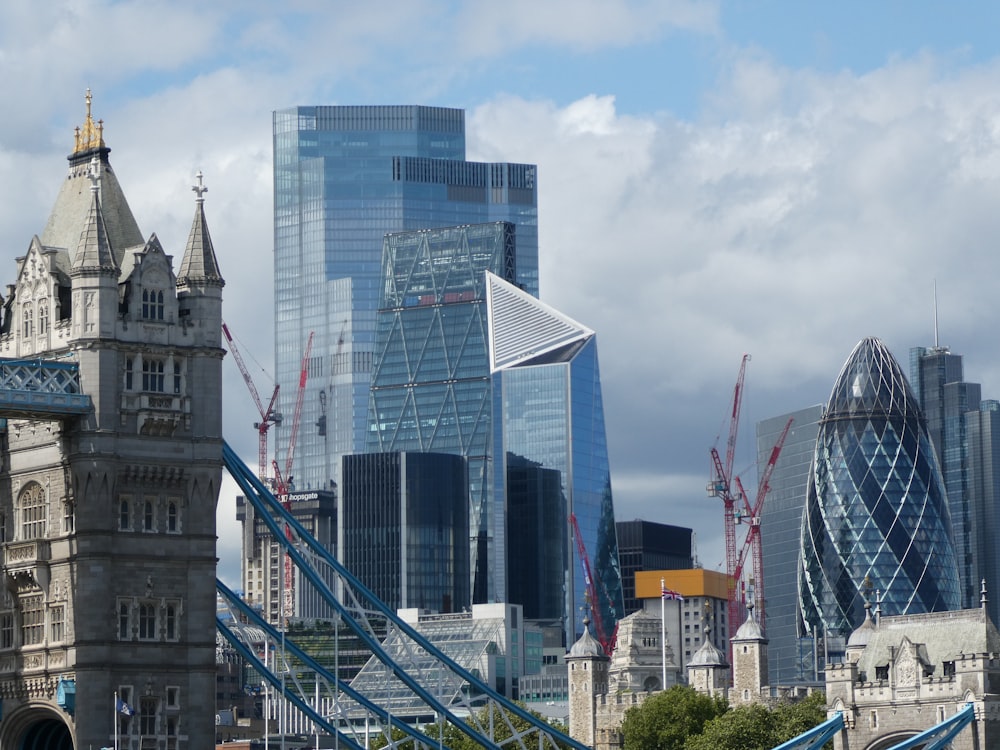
91 135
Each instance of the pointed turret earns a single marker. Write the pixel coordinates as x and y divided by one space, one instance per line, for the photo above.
199 264
750 676
588 677
199 282
93 252
707 671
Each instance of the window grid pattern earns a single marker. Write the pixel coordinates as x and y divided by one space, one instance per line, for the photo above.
33 512
875 506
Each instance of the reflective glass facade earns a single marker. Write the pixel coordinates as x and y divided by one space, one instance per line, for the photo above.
789 658
430 385
406 528
962 429
345 176
875 505
547 393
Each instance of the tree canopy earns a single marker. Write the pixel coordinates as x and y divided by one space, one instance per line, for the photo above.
664 721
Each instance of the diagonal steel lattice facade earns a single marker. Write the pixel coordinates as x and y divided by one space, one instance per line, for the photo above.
876 518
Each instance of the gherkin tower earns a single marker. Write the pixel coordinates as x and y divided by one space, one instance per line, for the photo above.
876 514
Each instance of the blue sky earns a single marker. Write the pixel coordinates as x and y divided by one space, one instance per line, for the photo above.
776 178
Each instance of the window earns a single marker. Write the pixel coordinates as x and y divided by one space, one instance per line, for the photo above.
124 515
147 717
172 517
173 697
124 624
147 622
147 516
32 620
177 377
57 623
152 375
32 504
27 319
170 615
129 368
69 522
43 316
152 304
7 630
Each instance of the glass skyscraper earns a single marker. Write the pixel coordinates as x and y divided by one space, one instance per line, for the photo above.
876 519
790 651
963 429
549 414
430 384
344 177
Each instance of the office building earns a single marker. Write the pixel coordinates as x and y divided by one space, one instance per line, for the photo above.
344 177
112 463
549 414
962 429
406 528
790 656
644 545
876 520
263 564
430 382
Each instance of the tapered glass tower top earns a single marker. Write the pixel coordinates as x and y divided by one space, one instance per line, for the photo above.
876 516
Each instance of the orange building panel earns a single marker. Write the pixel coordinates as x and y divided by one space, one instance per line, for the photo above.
694 582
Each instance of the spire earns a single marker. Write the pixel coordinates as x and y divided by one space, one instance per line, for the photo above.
90 136
93 253
199 263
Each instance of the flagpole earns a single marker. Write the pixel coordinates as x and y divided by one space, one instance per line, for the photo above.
663 632
114 718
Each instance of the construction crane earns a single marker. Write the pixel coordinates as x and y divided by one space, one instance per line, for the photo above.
752 544
268 416
283 480
722 486
607 643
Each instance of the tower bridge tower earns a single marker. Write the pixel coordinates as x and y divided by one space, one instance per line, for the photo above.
107 512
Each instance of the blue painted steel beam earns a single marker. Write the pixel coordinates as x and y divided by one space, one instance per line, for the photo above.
269 507
815 737
41 389
940 735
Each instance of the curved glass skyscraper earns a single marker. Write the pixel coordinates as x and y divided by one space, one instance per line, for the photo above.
876 507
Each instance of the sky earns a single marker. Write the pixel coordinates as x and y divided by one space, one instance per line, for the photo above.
715 178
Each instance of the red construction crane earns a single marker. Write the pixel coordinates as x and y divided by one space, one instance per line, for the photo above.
281 480
752 545
590 582
722 486
268 416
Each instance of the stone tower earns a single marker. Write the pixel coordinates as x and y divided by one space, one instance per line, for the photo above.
588 677
750 675
107 618
707 671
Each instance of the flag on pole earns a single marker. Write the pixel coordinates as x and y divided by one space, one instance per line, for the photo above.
666 594
123 708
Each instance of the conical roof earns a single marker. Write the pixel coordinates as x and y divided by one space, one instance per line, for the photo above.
73 203
750 630
586 646
199 262
94 251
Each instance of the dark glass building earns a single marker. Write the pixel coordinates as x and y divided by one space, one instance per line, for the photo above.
430 384
549 414
876 519
962 427
644 545
790 651
406 528
344 177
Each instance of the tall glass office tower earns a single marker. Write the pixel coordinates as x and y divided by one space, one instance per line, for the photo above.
790 650
430 385
963 429
549 415
876 516
344 177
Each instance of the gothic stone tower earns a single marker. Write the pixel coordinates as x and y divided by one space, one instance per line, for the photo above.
108 519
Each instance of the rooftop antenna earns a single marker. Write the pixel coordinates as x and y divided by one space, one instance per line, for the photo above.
936 342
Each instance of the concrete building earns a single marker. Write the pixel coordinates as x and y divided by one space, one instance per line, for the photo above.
109 518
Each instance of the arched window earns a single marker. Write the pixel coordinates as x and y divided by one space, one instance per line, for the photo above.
147 621
123 621
152 375
128 373
170 616
147 516
152 304
172 517
27 316
33 511
43 316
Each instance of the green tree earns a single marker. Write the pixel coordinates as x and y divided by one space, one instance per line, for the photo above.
742 728
792 719
665 720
